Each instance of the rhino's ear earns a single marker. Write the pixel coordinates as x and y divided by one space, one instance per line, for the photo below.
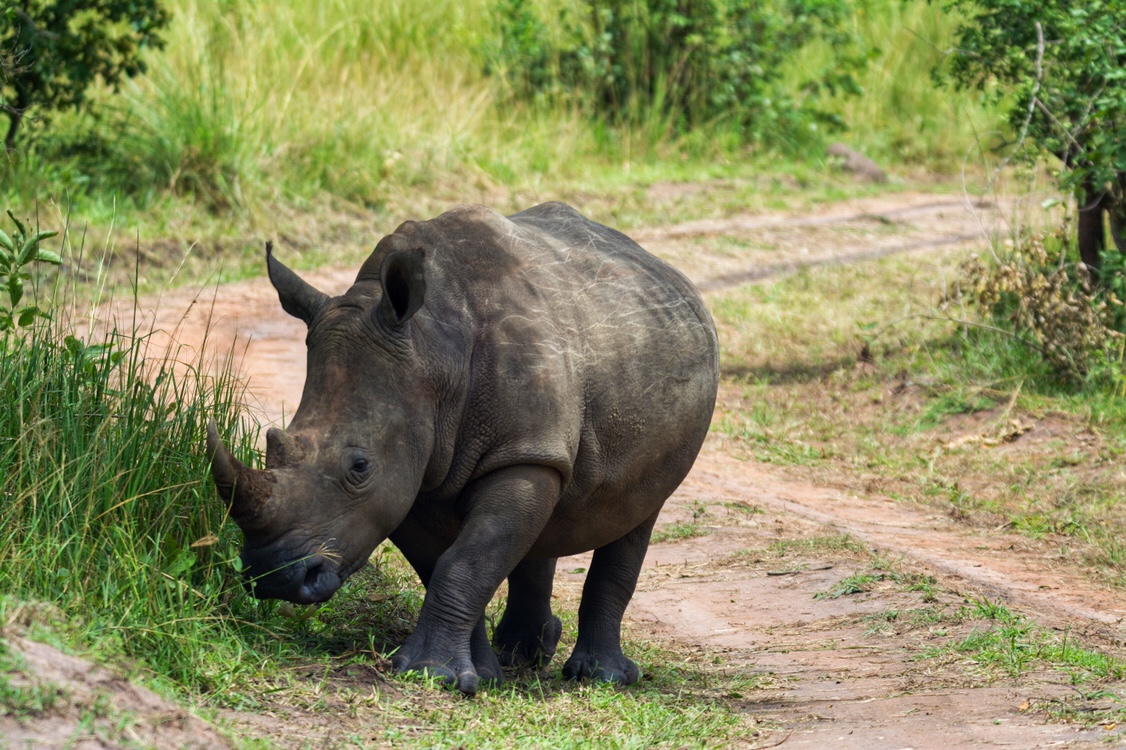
404 285
298 298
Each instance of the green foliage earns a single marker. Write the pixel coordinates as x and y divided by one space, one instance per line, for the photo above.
62 47
1062 65
257 110
17 251
902 117
684 64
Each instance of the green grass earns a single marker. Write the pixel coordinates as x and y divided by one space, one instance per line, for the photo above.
677 711
1012 644
1000 646
881 570
676 532
815 544
937 413
913 120
22 699
935 619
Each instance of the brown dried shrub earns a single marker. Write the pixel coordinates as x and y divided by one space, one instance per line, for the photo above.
1047 301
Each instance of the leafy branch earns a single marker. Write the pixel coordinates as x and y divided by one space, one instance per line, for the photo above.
18 251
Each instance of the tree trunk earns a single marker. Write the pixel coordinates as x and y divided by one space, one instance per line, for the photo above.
1117 215
14 117
1092 234
1116 211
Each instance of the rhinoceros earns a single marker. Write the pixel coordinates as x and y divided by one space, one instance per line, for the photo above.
491 394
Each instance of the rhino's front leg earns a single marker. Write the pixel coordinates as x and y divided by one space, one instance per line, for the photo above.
422 550
505 513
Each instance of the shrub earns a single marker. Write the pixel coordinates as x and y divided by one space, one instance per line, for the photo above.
1049 303
61 47
684 63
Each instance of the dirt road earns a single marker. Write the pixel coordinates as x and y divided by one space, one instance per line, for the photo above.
837 671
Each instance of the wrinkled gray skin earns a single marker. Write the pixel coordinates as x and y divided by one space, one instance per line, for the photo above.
491 394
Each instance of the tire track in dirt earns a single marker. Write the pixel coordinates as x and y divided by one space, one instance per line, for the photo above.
778 269
833 683
838 681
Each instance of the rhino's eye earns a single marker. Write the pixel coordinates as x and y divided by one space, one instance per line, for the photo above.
357 466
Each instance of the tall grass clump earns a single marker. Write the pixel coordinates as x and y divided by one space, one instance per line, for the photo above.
108 512
253 102
903 116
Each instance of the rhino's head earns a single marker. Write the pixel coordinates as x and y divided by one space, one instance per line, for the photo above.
346 472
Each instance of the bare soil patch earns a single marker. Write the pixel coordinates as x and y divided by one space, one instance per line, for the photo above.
72 703
840 680
836 670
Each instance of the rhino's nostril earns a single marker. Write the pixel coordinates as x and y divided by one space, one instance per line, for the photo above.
313 570
321 581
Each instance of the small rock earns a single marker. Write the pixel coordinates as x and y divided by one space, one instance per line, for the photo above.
857 163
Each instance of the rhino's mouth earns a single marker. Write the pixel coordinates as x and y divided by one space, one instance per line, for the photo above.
310 580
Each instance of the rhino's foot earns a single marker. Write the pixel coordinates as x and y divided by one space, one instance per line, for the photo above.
451 665
463 674
608 666
451 674
522 645
485 660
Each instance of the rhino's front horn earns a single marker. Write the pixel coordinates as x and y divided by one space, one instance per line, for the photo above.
246 490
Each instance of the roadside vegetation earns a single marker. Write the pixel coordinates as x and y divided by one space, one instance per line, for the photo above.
317 124
325 124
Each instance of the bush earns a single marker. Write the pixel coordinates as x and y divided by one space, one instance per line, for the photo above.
57 49
684 64
1048 303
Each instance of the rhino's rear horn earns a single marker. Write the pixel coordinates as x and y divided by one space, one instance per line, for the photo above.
245 490
281 449
298 298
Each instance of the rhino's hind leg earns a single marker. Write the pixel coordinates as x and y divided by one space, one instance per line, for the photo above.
528 633
608 589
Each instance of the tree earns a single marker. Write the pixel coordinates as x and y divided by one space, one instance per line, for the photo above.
58 48
1062 65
